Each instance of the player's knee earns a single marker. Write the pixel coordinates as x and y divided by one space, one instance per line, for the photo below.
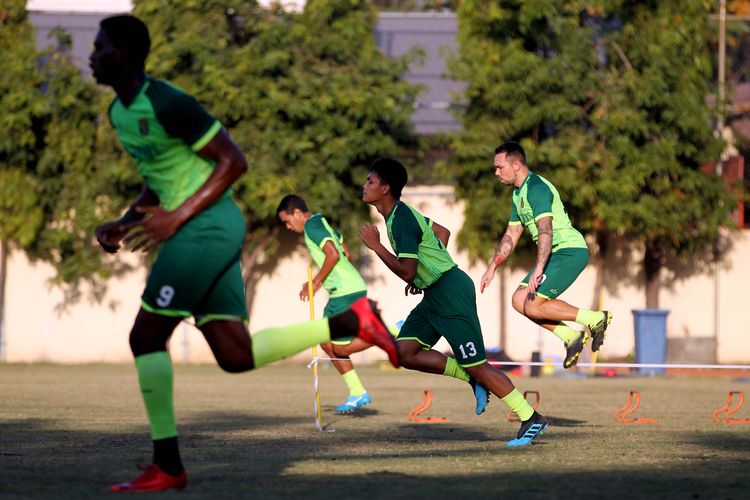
141 343
328 348
235 364
407 358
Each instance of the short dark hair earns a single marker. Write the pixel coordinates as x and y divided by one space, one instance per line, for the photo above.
391 172
290 203
513 151
129 33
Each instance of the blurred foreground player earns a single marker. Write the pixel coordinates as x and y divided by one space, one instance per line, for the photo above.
189 163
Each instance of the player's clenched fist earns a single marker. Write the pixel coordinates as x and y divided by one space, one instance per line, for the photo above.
370 235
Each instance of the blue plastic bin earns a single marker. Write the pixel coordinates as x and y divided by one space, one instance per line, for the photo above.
650 339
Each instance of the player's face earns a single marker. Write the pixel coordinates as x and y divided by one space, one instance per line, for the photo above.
373 190
294 221
504 170
103 60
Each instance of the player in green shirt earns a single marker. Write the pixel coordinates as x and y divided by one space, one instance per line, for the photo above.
189 162
340 279
448 308
562 255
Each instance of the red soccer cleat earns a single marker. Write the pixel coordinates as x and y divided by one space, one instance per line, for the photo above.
372 329
152 479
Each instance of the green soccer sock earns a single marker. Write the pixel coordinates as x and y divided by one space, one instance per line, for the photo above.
452 369
565 333
518 405
155 378
587 317
273 344
355 385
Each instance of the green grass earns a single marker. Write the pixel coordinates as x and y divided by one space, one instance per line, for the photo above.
69 431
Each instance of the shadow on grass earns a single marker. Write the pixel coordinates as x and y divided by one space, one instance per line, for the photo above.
241 455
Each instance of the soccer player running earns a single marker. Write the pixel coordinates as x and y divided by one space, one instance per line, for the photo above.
448 308
562 255
340 279
189 162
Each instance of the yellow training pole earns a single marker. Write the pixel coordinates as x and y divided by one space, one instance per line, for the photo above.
311 299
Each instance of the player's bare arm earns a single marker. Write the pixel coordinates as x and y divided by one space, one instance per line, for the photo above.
347 253
505 247
332 257
442 233
544 248
160 224
109 234
406 268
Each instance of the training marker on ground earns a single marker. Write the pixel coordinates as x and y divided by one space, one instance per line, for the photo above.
621 415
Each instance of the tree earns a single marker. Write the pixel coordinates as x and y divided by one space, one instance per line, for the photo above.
50 192
610 105
308 97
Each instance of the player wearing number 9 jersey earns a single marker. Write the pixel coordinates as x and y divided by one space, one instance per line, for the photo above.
189 163
448 308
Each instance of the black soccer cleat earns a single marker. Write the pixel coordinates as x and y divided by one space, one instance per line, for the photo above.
573 350
599 331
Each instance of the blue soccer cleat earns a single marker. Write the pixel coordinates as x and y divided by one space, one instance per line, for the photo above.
529 430
354 403
481 394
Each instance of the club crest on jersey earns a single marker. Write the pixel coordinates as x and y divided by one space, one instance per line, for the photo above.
143 126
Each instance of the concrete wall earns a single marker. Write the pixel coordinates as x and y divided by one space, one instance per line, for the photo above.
35 331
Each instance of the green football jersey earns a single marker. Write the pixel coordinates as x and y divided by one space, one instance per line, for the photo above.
344 279
411 236
162 129
538 198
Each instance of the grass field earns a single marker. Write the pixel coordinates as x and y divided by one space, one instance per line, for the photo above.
69 431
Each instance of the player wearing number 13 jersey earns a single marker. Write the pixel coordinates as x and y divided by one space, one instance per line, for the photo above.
448 308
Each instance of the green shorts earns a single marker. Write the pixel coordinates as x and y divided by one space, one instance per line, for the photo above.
197 272
338 305
448 309
562 269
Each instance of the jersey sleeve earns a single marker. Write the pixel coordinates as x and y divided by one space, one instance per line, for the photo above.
514 218
317 232
540 199
407 234
182 116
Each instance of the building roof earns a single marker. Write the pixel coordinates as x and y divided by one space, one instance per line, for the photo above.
396 34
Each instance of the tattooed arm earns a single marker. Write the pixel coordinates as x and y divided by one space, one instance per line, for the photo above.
544 247
507 243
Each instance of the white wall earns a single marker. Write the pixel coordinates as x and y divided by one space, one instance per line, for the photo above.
90 332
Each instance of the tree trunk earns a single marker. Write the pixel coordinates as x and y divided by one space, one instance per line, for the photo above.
600 259
249 269
3 274
652 262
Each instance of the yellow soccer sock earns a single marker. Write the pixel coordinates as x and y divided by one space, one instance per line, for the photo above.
587 317
273 344
565 333
452 369
355 385
518 405
155 377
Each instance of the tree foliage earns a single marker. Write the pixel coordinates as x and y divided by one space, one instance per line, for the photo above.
609 100
308 97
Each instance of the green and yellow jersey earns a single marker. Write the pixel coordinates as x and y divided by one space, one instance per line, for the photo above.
162 129
344 279
411 236
538 198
